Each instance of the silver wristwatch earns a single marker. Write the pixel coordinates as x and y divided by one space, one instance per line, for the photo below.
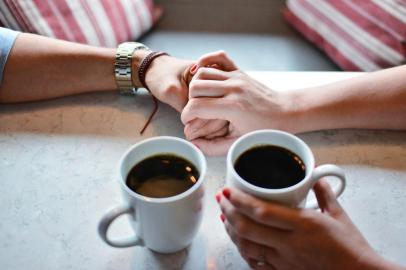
123 67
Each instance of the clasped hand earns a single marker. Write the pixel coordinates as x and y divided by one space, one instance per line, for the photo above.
218 103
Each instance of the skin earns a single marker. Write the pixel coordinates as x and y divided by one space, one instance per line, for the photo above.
281 237
231 95
286 238
54 68
41 68
257 227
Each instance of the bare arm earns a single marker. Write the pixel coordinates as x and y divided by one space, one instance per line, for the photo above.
42 68
376 100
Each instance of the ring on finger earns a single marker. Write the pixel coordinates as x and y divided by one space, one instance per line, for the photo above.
262 258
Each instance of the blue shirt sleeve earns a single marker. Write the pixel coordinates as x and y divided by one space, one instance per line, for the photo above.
7 38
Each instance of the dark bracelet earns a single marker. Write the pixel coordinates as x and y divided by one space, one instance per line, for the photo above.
142 71
146 62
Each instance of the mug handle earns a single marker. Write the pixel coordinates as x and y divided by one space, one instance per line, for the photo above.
106 221
328 170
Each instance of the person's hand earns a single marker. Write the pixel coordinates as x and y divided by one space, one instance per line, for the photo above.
232 96
209 128
168 78
270 236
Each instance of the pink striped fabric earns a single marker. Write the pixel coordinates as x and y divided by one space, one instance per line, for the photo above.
102 23
358 35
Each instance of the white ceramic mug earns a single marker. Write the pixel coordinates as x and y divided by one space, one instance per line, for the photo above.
293 196
164 225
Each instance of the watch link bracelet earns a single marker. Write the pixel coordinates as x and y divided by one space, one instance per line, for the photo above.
123 66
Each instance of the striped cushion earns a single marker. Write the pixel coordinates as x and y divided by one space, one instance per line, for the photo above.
95 22
360 35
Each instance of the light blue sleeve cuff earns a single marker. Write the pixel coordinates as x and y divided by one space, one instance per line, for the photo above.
7 38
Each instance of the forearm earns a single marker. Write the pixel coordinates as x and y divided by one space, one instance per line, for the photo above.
42 68
372 101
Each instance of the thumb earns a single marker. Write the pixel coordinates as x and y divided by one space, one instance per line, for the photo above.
325 197
214 147
218 59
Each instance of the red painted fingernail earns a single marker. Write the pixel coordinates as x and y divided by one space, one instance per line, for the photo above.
197 146
218 197
193 69
222 217
226 193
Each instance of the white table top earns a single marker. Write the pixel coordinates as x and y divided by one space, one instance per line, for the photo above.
57 161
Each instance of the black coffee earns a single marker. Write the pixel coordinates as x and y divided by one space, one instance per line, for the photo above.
162 175
270 166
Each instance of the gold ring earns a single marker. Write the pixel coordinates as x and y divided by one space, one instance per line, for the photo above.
260 263
262 258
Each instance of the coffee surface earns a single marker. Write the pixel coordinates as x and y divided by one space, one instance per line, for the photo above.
162 175
270 166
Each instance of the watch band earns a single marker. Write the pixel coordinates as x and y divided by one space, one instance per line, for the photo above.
123 66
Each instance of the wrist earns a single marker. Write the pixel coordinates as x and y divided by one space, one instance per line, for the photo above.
293 114
138 56
155 69
306 111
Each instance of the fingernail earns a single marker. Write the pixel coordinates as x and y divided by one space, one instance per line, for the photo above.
193 69
218 197
222 217
197 146
226 193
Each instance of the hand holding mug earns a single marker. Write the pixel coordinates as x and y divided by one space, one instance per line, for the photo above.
258 216
271 236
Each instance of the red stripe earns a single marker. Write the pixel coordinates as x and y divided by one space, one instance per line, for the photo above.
112 20
71 22
115 22
367 25
139 17
51 19
20 17
357 46
150 6
320 42
94 22
123 19
384 16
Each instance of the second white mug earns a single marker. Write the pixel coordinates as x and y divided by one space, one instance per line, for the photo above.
293 196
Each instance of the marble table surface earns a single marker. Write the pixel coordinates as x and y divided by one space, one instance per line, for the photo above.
57 166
